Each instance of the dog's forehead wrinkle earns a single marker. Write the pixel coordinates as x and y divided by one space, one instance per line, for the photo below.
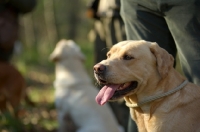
118 52
130 46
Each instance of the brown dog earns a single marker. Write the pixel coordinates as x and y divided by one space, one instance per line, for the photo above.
12 86
160 99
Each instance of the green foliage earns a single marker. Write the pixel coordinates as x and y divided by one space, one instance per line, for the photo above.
87 49
9 122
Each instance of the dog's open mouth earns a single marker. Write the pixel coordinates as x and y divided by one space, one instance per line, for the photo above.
114 91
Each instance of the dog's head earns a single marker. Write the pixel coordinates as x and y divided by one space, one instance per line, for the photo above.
130 65
66 49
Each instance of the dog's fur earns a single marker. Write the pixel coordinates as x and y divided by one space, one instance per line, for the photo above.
151 68
12 87
75 94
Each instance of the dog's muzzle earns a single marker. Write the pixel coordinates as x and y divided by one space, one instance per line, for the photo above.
99 72
99 69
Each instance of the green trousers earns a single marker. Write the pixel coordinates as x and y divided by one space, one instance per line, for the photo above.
173 24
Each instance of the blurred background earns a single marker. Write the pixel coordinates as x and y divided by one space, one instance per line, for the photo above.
40 30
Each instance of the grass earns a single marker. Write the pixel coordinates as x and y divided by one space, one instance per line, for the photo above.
38 72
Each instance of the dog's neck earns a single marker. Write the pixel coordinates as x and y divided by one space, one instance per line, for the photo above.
161 86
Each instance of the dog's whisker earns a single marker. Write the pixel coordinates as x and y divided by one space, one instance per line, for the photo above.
105 48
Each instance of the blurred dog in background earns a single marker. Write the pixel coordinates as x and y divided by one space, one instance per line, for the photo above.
75 94
12 87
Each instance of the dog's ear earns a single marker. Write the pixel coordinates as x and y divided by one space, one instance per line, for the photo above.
54 57
164 60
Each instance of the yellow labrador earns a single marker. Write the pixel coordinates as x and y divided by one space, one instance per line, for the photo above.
75 93
160 99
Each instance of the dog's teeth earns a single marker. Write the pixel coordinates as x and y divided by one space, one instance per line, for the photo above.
126 85
123 86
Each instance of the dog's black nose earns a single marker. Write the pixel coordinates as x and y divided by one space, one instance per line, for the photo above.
99 68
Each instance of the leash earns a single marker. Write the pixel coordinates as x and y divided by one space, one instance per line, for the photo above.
150 99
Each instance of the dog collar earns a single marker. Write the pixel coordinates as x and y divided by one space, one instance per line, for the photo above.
150 99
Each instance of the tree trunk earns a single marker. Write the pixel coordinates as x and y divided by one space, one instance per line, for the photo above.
49 16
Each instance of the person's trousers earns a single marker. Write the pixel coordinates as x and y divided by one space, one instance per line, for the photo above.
173 24
109 31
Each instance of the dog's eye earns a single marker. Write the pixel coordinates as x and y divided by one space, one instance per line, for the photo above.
108 55
127 57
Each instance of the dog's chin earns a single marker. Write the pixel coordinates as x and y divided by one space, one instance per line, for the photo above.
120 93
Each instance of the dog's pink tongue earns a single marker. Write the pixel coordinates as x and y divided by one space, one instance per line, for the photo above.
106 93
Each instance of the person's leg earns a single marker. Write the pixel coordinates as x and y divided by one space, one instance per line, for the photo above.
146 23
184 23
105 30
132 127
100 49
118 30
111 26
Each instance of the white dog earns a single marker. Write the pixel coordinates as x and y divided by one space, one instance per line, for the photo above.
75 94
